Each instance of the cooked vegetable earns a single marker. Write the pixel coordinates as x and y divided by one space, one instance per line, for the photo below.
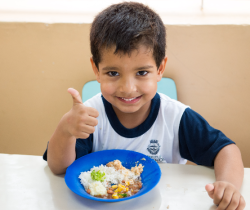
115 196
98 176
123 194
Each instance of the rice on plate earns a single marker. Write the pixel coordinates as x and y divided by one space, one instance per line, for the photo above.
112 181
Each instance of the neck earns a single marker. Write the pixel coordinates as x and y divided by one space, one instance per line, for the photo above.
132 120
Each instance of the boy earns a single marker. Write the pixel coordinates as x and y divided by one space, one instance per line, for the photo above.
128 44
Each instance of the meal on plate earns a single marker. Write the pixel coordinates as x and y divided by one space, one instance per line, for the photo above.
112 181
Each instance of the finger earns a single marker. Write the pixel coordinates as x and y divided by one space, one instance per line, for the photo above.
92 112
82 135
85 132
210 190
235 200
88 129
91 121
242 204
75 95
218 194
226 199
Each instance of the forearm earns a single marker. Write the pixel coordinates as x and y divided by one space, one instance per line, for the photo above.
228 166
61 150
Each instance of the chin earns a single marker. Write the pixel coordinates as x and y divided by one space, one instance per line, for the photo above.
127 110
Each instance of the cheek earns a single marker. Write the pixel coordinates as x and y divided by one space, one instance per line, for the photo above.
150 86
108 88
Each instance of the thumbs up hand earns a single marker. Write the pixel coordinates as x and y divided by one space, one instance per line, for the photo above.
80 120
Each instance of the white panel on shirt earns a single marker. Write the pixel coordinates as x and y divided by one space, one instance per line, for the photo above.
160 142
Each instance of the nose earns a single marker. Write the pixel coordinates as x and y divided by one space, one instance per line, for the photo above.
127 86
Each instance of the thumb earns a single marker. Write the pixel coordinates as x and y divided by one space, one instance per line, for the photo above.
75 95
210 190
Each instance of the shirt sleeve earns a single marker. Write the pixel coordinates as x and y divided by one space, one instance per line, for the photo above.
83 147
198 141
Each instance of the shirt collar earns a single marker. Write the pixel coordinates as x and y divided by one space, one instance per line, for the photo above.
140 129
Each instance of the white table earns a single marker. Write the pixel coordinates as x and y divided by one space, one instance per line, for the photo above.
27 183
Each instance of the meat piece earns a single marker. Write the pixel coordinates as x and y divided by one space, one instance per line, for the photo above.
137 169
110 164
116 164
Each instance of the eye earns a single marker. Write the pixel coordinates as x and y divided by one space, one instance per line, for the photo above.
142 73
113 73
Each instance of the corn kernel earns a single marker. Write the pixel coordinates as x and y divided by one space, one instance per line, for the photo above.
132 190
123 190
126 189
119 189
115 196
114 186
116 190
127 183
120 196
121 186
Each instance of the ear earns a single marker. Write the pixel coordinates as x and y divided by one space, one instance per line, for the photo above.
161 69
95 69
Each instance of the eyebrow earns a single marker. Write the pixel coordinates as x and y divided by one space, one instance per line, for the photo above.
144 67
110 68
113 68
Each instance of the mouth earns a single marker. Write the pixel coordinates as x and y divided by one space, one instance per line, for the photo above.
129 100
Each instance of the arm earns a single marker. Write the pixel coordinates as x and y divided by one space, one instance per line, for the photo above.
61 149
228 166
204 145
79 122
229 172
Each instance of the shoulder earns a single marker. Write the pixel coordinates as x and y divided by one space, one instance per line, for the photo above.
171 111
170 104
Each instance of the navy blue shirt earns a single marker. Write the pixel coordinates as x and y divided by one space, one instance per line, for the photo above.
198 141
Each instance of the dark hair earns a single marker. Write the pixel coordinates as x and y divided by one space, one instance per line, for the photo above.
126 26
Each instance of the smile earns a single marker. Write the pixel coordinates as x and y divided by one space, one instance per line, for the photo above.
129 100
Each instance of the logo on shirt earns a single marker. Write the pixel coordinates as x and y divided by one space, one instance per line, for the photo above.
153 147
158 159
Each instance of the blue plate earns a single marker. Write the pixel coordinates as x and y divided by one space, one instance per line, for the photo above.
150 176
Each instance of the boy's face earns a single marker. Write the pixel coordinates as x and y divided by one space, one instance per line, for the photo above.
129 82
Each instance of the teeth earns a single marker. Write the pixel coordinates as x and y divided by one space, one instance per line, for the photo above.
129 99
